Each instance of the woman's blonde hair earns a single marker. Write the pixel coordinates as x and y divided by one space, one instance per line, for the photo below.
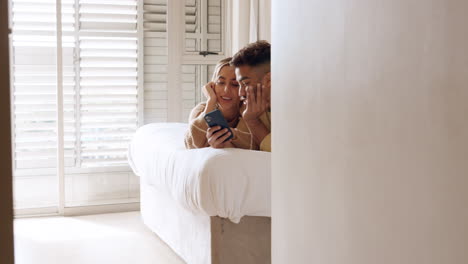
219 66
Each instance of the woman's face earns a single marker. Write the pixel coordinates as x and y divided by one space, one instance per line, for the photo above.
227 88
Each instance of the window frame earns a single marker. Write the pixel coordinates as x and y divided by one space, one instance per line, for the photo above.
61 171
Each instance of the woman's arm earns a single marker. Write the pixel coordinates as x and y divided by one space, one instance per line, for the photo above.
195 137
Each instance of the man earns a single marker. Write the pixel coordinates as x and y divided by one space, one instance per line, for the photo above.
252 65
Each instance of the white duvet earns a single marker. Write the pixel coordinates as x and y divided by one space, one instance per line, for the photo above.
229 183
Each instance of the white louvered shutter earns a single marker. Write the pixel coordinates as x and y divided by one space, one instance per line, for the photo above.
107 102
203 26
214 28
108 51
194 76
192 26
155 61
203 32
34 99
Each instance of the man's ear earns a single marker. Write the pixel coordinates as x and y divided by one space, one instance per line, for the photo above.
266 80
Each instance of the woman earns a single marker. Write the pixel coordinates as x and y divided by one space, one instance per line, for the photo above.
222 93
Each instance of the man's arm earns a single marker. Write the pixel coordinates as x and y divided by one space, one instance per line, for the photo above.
258 130
266 143
257 105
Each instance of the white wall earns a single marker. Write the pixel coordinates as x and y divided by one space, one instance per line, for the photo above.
370 131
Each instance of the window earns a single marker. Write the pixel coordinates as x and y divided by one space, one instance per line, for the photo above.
100 101
121 68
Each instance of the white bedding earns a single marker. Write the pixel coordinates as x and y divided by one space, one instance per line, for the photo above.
228 183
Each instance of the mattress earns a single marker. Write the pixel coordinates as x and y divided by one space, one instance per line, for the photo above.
229 183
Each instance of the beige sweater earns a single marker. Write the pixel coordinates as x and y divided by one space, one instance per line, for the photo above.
195 137
265 145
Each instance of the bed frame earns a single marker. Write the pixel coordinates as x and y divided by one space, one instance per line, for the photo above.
246 242
203 239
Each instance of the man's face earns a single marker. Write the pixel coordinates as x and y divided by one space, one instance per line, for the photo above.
247 76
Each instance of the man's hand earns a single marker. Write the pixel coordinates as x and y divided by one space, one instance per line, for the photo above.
257 103
216 137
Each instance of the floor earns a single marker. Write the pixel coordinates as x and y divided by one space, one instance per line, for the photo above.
119 238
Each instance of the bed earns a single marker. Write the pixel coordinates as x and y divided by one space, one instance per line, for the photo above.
209 205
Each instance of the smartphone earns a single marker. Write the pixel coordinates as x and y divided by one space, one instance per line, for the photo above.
216 118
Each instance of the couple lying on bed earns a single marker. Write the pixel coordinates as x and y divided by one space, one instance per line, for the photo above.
240 89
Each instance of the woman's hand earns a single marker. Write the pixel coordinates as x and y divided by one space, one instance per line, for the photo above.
209 92
257 103
216 137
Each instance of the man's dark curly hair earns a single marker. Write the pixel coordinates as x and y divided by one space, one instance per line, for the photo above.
254 54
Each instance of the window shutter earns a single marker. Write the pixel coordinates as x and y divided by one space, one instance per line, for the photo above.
108 109
34 111
203 26
214 26
203 32
192 29
34 84
193 78
155 60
